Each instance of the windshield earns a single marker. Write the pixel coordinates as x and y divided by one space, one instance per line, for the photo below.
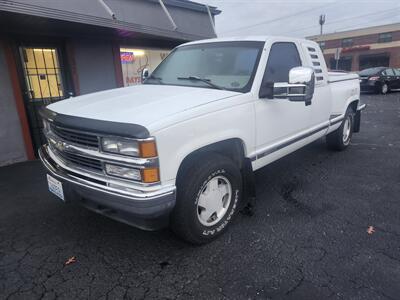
371 71
222 65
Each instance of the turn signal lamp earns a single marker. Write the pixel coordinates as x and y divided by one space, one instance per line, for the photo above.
148 149
150 175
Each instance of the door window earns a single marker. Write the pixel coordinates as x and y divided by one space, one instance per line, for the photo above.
389 72
282 58
43 81
42 74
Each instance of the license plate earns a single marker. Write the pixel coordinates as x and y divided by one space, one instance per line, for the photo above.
55 187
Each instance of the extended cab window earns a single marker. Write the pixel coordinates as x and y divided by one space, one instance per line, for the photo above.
282 58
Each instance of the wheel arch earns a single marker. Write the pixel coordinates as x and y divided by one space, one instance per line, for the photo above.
354 104
356 119
233 148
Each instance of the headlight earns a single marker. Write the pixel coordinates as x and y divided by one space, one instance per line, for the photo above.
120 146
129 147
123 172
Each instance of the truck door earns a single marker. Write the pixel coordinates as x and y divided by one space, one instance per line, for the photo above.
279 122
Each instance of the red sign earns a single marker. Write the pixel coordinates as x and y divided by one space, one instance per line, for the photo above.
356 48
133 80
127 57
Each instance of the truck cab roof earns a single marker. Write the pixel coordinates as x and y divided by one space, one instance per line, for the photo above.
261 38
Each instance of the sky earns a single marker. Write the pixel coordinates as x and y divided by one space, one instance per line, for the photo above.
300 18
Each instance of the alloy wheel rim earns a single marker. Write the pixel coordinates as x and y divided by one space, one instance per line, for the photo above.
214 200
346 130
384 88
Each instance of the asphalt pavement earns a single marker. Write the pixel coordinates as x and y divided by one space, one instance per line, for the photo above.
326 226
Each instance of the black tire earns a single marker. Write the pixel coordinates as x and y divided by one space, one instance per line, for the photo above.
191 183
337 140
384 89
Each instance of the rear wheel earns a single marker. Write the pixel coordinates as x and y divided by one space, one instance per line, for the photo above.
341 137
208 193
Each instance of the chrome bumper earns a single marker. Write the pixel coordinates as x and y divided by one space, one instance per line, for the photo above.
106 200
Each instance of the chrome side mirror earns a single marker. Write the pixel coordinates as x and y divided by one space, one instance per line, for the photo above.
145 74
300 87
302 82
301 75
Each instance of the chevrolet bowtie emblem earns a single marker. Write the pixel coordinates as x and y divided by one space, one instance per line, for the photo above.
61 145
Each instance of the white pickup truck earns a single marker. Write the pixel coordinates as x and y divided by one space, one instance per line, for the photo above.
181 148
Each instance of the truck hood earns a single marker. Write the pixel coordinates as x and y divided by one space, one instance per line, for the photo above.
141 104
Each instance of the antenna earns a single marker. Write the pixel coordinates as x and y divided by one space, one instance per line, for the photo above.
321 21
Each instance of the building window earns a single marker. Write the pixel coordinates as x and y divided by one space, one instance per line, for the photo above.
134 60
344 63
322 45
347 43
385 37
374 60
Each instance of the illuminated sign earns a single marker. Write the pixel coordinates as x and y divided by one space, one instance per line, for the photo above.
127 57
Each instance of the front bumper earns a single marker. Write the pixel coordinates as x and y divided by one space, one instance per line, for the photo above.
147 210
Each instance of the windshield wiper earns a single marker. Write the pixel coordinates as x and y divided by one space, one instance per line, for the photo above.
159 79
207 81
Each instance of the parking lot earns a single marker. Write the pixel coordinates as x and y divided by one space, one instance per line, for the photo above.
308 237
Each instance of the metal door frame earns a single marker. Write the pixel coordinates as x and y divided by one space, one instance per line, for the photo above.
34 120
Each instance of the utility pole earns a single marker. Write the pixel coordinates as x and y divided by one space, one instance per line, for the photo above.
321 22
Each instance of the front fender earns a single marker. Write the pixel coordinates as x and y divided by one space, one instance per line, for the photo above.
176 142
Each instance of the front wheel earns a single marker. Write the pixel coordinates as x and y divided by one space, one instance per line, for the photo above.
384 89
208 193
341 137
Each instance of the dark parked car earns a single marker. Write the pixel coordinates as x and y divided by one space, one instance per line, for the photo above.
379 80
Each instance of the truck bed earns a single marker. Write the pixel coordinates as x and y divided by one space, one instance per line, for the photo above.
345 87
341 76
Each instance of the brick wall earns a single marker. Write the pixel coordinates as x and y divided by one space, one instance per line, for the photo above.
393 53
361 40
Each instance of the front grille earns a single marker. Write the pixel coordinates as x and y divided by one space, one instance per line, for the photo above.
76 137
90 163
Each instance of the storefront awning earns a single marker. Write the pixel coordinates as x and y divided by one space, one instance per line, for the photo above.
129 16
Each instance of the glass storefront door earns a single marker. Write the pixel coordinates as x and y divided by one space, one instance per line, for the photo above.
43 82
